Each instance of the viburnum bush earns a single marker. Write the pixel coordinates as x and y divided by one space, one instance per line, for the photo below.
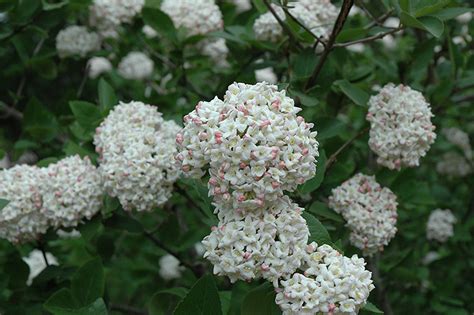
236 157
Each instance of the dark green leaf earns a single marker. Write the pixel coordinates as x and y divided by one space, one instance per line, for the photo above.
260 301
432 8
304 98
321 209
318 232
3 203
160 22
87 114
428 23
358 96
202 299
304 64
161 302
126 223
53 6
45 67
371 308
261 7
450 13
87 284
315 182
39 122
61 302
329 127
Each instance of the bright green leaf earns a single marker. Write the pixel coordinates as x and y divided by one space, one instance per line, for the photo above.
107 96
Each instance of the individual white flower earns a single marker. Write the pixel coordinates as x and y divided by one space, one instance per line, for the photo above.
22 220
242 5
97 66
357 48
253 145
107 15
269 244
137 149
198 17
36 262
430 257
453 164
170 268
464 18
401 130
75 191
318 16
459 138
266 75
65 234
330 284
216 50
392 22
355 10
199 249
440 225
149 31
389 42
76 41
370 212
136 66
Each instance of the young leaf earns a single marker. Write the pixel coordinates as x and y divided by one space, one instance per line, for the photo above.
87 284
202 299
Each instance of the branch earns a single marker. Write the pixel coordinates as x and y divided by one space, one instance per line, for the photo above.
282 24
318 40
10 111
332 159
368 39
341 19
127 309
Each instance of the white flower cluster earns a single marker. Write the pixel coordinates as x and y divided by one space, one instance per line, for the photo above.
242 5
36 263
330 284
216 50
198 17
76 41
440 225
266 75
107 15
253 144
459 138
136 66
97 66
453 164
170 268
370 212
401 130
269 244
316 15
60 195
137 149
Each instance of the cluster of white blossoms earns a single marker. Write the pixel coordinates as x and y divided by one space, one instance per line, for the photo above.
136 66
316 15
216 50
440 225
266 75
252 143
198 17
36 263
107 15
60 195
453 164
459 138
242 5
137 149
170 268
267 244
401 130
329 284
370 212
97 66
76 41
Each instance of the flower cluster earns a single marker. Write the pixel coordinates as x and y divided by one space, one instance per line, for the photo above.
97 66
216 50
330 284
318 16
453 164
440 225
137 149
76 41
459 138
269 244
170 268
60 195
253 144
107 15
207 18
370 212
266 75
401 130
242 5
136 66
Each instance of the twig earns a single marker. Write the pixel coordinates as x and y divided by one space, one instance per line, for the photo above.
127 309
381 292
41 248
10 111
379 20
318 40
282 23
368 39
333 156
341 19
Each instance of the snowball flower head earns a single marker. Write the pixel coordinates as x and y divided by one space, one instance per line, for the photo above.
136 66
266 75
75 191
453 164
440 225
401 130
170 268
370 212
22 220
330 284
242 5
252 143
267 245
97 66
76 41
459 138
216 50
36 263
137 149
149 31
198 17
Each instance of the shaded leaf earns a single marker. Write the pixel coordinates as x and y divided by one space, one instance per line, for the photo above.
87 284
315 182
318 232
357 95
260 301
202 299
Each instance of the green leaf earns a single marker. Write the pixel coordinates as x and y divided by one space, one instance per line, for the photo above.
318 232
40 123
357 95
160 22
315 182
45 162
371 308
3 203
431 24
87 114
432 8
321 209
107 96
121 222
202 299
329 127
405 5
451 13
47 6
61 302
304 98
261 7
87 284
303 63
72 148
260 301
161 302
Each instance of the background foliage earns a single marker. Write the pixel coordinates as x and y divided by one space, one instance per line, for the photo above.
48 106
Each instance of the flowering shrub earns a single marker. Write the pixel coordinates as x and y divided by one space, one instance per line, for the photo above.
236 157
